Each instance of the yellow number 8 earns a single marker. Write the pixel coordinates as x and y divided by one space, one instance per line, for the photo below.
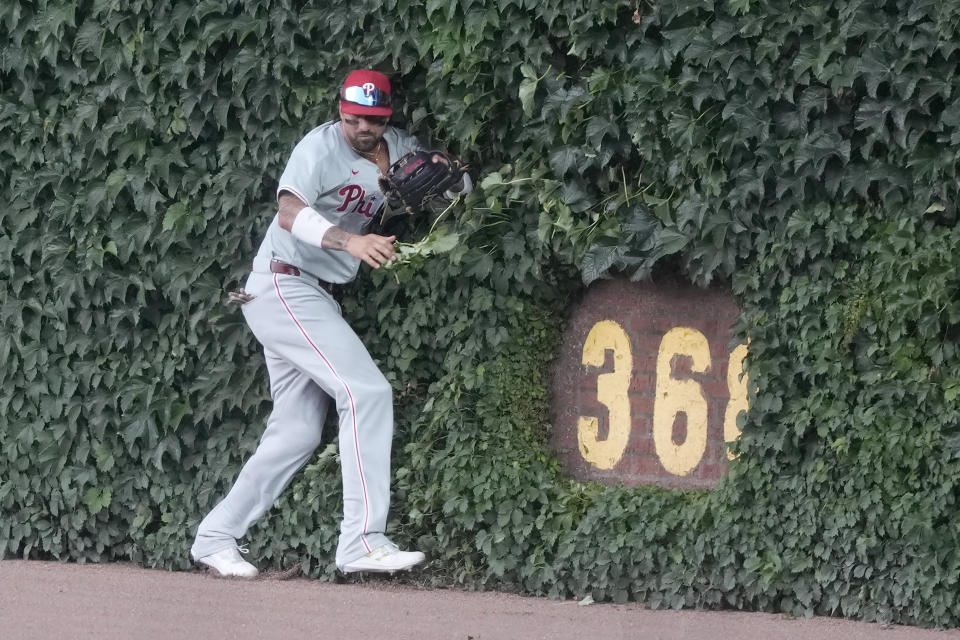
737 383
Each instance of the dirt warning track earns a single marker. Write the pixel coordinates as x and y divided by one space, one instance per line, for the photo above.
50 600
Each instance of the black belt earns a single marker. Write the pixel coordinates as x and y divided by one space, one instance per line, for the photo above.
277 266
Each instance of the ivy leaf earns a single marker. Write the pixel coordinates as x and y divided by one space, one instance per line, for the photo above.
492 179
528 89
671 241
951 391
813 99
598 260
436 242
601 127
561 101
679 39
97 499
87 113
444 242
90 37
641 223
564 159
481 267
104 458
818 147
173 215
951 118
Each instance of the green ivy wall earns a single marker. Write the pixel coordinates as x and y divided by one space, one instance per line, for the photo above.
803 155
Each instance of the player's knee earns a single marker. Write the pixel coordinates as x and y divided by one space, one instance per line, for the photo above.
381 390
312 441
375 389
370 388
301 439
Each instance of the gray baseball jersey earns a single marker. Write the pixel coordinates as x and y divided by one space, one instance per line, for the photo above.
314 357
327 174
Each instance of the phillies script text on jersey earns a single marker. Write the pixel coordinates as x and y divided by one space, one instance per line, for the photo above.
355 192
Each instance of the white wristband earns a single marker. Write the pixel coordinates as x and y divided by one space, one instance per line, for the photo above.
310 226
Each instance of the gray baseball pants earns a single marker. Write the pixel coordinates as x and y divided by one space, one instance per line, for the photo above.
312 356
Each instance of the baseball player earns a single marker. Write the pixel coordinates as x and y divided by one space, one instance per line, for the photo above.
328 195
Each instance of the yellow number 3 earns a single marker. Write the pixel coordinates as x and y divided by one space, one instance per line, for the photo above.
612 392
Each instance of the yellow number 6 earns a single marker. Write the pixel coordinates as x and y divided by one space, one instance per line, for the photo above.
680 396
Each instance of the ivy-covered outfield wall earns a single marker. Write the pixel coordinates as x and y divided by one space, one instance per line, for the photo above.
801 154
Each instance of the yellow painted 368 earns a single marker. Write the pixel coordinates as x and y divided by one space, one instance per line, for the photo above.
673 396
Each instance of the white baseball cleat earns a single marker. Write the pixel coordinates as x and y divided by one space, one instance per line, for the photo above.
384 559
228 564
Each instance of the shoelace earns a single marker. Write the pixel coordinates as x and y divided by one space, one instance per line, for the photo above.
243 549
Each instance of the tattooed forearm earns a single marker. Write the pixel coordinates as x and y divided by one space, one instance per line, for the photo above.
289 208
336 238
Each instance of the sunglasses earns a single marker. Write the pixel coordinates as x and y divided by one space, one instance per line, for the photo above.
377 121
366 96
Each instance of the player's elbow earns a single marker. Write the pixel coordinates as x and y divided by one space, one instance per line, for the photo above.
285 219
289 205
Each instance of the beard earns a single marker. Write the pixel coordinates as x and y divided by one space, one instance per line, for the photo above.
364 142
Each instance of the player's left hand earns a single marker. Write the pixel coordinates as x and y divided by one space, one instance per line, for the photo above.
419 176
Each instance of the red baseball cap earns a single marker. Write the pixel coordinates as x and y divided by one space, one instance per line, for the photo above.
366 93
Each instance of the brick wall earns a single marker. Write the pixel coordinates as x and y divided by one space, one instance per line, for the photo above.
646 312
